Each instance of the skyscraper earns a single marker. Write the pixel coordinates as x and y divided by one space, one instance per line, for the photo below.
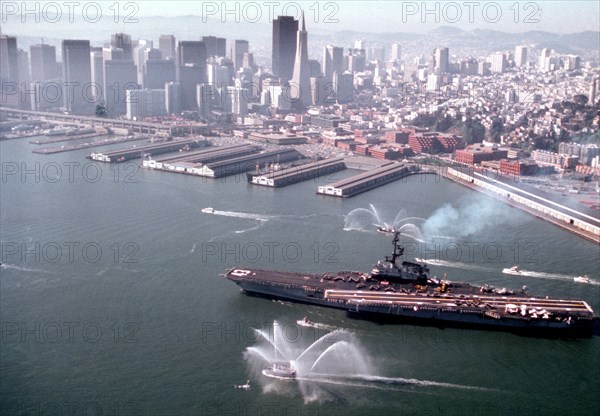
9 59
123 41
191 70
333 60
77 94
157 72
120 75
520 55
215 46
498 63
191 52
166 44
284 46
301 78
173 97
43 62
238 48
97 66
440 60
396 52
23 57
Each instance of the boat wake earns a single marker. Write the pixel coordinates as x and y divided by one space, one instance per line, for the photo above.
452 264
24 269
246 215
548 276
384 383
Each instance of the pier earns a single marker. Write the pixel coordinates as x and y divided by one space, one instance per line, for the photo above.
366 181
96 143
192 162
123 155
301 173
581 221
130 125
246 163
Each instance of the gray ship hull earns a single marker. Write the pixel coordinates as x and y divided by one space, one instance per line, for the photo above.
461 305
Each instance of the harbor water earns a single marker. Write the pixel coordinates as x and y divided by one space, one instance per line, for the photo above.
111 301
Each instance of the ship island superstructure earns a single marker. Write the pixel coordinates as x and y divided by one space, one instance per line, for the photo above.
403 290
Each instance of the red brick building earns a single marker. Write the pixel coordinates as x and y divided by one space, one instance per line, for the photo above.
478 153
518 167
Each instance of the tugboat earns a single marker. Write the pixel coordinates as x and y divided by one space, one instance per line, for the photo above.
280 371
386 230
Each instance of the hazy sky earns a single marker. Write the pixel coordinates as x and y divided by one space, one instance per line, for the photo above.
403 16
366 16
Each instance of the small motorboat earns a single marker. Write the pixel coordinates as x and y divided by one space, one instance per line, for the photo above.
208 210
305 322
513 270
581 279
243 386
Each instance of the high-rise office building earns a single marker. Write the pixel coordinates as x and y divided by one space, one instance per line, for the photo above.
356 60
120 75
97 67
189 76
110 53
344 86
498 62
396 52
158 72
333 60
191 52
520 55
300 83
215 46
77 91
139 57
123 41
173 97
166 44
441 60
145 103
285 29
545 60
23 58
238 48
9 59
43 62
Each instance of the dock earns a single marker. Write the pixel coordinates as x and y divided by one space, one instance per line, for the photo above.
192 162
123 155
300 173
366 181
96 143
243 164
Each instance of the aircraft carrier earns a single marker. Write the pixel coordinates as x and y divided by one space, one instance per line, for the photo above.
403 291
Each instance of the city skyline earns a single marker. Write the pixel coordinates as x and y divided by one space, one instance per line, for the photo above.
326 16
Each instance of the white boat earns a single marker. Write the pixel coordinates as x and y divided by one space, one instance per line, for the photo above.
305 322
280 371
208 210
513 270
581 279
243 386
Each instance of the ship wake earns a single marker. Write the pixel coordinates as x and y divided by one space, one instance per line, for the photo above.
323 370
